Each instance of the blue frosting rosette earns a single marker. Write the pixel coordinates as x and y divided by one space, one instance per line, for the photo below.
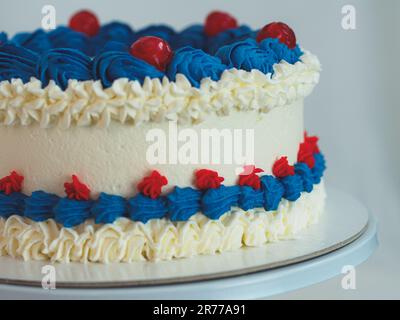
216 202
319 168
281 50
111 65
71 213
293 186
227 37
251 198
183 203
37 41
196 65
39 206
109 208
143 209
302 170
247 55
193 36
64 37
61 65
161 31
273 192
17 63
12 204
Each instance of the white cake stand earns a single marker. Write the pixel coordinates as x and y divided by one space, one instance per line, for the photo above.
346 235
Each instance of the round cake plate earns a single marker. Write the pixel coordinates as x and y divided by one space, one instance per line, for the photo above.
345 235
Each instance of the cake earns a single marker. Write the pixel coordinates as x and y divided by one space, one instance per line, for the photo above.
116 145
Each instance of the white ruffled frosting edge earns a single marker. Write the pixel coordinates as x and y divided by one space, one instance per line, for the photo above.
128 241
86 103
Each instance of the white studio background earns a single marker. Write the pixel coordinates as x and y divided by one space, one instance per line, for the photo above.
354 110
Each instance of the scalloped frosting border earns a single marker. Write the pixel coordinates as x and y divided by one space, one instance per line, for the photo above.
87 103
128 241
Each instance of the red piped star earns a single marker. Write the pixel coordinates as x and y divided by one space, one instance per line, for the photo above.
312 141
250 178
77 190
208 179
281 168
151 186
11 183
305 154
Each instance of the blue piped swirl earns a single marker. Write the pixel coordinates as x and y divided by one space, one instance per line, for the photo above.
71 213
143 209
273 192
12 204
62 65
293 187
227 37
39 206
112 65
109 208
196 65
319 168
37 41
183 203
302 170
251 198
281 50
247 55
17 63
161 31
64 37
217 202
192 36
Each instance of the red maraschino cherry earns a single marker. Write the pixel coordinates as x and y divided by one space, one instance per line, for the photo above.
153 50
278 30
86 22
218 21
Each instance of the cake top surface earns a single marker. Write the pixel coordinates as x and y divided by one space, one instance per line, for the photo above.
176 73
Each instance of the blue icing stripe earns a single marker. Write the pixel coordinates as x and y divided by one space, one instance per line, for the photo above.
319 167
12 204
281 50
247 55
227 37
217 202
293 187
112 65
192 36
251 198
273 192
109 208
303 170
17 63
196 65
183 203
62 65
71 213
143 209
37 41
161 31
64 37
39 206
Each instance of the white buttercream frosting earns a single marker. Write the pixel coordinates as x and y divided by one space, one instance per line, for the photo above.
86 103
128 241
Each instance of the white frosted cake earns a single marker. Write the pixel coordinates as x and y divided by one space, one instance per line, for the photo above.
121 145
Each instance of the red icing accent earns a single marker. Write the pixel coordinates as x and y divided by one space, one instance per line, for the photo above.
250 178
208 179
305 154
281 168
86 22
218 21
151 185
312 141
77 190
11 183
153 50
280 31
